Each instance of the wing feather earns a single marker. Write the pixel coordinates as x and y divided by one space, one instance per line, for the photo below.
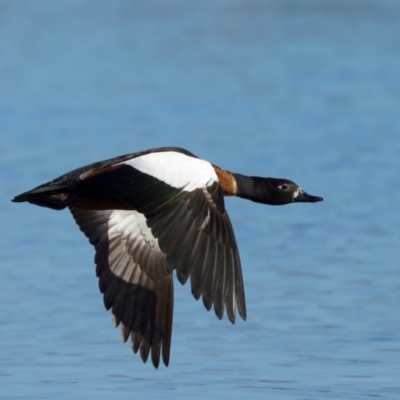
142 306
199 242
162 227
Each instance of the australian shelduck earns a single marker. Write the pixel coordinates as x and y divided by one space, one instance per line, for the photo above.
153 212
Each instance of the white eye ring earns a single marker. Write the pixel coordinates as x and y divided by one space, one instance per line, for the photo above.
285 186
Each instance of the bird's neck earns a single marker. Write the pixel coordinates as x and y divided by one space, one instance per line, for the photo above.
249 188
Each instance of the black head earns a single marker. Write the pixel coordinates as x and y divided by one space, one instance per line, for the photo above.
274 191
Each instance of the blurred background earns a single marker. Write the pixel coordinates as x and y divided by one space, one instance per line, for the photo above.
306 90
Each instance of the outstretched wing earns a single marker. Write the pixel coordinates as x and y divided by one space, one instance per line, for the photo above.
182 202
141 305
146 214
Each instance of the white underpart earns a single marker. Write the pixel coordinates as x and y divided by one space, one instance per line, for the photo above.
176 169
296 193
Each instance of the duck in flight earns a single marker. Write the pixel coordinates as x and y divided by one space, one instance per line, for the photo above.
153 212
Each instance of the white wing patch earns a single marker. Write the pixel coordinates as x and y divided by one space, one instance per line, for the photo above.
131 224
123 237
142 246
176 169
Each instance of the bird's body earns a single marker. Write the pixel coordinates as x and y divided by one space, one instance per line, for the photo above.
153 212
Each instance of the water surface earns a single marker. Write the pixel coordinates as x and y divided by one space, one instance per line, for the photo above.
305 90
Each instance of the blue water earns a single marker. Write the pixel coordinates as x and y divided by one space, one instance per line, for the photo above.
306 90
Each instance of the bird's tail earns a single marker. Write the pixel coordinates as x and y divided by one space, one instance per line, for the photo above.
51 195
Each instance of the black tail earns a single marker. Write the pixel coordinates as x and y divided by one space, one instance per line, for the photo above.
48 195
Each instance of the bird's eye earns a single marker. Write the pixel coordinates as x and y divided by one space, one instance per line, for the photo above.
284 186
